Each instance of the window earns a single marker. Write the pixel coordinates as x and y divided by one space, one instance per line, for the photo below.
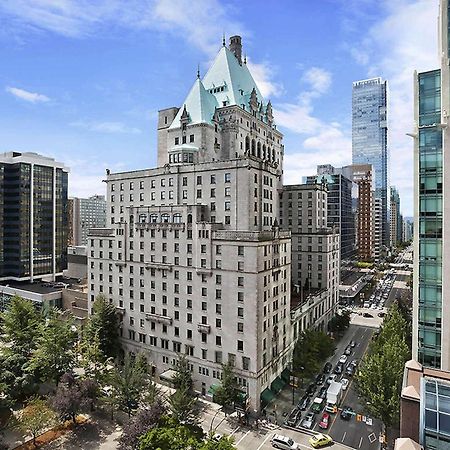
240 346
199 179
191 138
227 206
227 178
213 179
227 191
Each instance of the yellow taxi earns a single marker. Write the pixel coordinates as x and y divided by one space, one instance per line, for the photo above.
320 440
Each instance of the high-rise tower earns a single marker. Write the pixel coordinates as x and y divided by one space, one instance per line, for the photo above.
369 143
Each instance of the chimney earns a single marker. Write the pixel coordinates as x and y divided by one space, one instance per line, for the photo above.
236 47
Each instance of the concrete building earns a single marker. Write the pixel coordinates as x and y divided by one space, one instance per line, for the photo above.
339 205
396 219
192 255
85 213
407 232
76 263
369 139
362 176
33 217
315 255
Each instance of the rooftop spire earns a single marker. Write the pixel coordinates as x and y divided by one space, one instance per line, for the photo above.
223 40
198 70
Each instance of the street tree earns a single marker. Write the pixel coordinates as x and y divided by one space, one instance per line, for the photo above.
36 417
129 383
73 396
19 325
55 352
144 420
224 443
184 406
103 325
183 376
227 394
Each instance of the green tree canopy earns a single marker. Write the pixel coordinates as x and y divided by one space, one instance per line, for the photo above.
183 376
20 325
228 391
55 352
103 326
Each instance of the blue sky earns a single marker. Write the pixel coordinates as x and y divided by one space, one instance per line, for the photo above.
82 81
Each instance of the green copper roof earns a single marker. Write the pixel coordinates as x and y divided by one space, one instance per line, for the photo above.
226 83
200 106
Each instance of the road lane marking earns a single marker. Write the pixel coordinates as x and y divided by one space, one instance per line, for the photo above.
242 438
234 431
264 441
343 437
360 442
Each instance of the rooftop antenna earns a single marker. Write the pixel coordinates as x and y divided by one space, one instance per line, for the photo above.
198 70
245 59
223 40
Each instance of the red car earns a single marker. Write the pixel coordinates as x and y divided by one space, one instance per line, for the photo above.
325 421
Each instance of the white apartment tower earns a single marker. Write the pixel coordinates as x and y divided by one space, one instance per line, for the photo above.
193 257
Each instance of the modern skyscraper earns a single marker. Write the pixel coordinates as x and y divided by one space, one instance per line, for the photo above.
396 218
85 213
193 255
369 141
339 205
33 215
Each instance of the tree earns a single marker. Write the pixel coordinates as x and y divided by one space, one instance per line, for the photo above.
20 325
311 349
171 435
35 417
183 406
73 396
94 361
228 391
224 443
142 422
129 383
183 376
55 352
379 379
103 326
340 322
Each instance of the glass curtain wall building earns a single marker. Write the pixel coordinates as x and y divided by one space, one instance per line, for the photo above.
369 138
33 212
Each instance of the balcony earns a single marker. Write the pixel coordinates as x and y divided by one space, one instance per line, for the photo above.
158 266
159 226
251 236
166 320
204 328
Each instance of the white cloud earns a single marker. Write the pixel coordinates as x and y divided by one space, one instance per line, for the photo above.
32 97
405 40
319 79
106 127
263 74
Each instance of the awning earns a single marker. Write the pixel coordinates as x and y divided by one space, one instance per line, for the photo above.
286 375
266 396
168 375
277 385
213 389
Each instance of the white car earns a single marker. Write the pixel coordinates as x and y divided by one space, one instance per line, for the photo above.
283 442
343 359
344 383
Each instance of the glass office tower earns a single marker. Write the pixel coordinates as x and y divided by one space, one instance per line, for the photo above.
33 216
369 138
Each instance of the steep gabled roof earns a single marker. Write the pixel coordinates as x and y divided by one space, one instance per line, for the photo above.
200 106
237 80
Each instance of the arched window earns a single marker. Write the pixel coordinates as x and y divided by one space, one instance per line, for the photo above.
177 218
264 151
153 218
253 148
165 218
189 218
247 144
142 218
258 152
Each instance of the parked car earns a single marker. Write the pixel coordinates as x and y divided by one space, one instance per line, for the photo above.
283 442
343 359
303 403
320 379
308 421
323 392
325 421
352 344
345 382
354 363
350 370
327 368
311 389
338 369
346 413
348 350
320 440
294 417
